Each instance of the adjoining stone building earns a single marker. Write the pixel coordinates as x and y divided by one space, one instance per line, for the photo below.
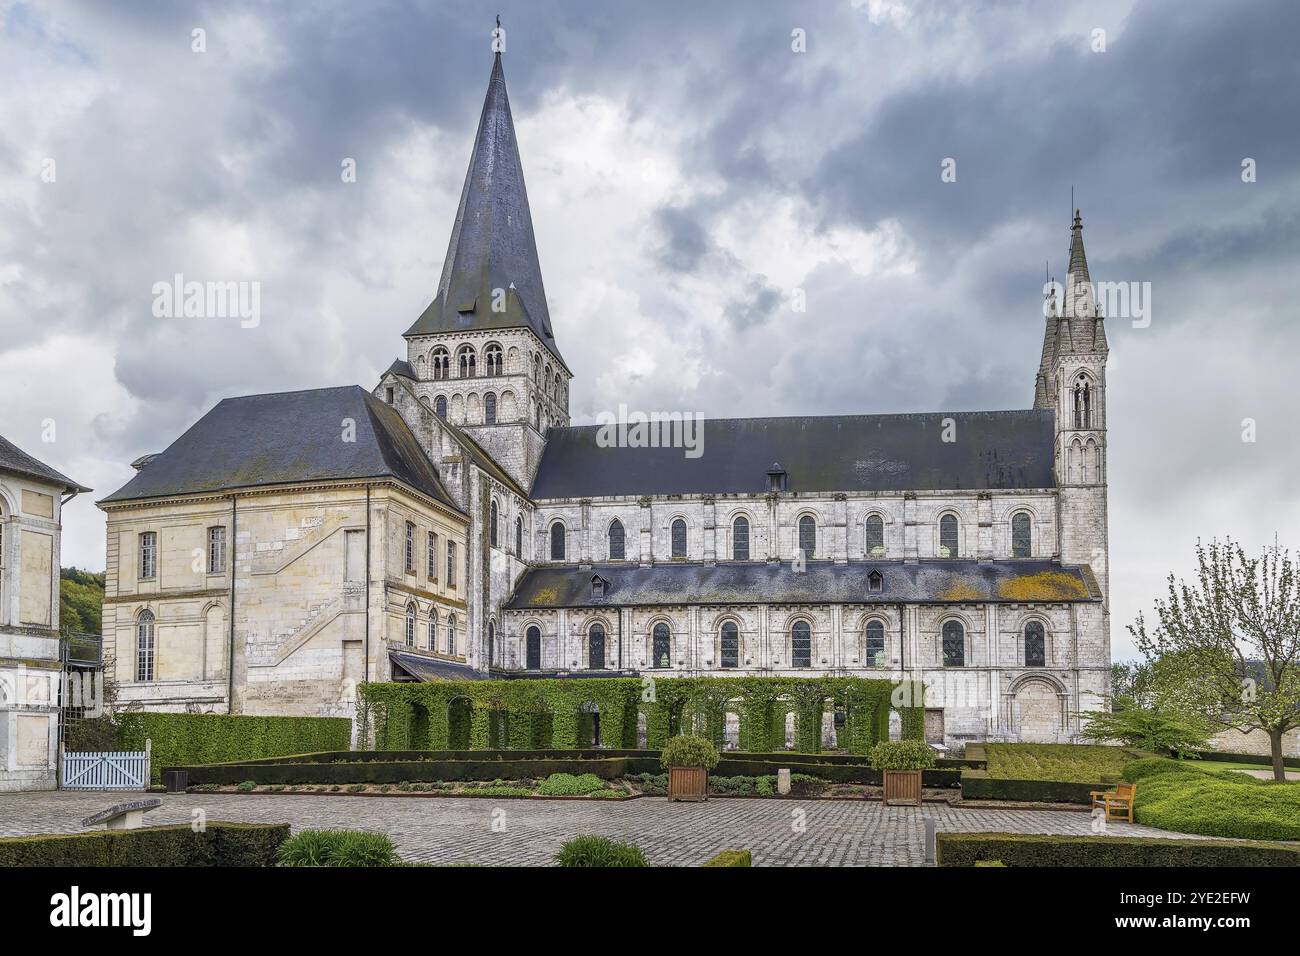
268 560
32 496
966 549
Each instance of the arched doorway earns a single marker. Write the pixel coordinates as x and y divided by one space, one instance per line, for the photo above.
588 725
460 712
1037 711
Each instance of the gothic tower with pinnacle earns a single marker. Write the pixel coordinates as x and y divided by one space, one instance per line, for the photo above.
1071 381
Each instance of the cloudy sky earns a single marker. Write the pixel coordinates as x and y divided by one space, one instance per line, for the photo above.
687 170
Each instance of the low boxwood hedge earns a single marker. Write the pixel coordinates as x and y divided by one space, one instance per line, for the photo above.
978 785
1176 795
414 771
219 844
732 858
1264 760
1025 849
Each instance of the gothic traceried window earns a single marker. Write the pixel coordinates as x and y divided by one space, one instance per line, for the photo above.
679 538
617 543
948 536
1035 645
801 644
954 644
1021 543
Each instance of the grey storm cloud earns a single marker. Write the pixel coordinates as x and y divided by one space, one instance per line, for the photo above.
227 164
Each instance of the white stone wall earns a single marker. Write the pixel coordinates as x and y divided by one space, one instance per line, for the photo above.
984 698
30 541
911 525
304 632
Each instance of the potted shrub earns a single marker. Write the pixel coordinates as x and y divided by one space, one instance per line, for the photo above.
689 760
901 762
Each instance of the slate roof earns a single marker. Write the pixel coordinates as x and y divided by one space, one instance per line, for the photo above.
288 438
492 243
15 461
401 367
955 582
430 669
1012 449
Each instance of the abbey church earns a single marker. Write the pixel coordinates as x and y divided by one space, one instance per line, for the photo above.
451 523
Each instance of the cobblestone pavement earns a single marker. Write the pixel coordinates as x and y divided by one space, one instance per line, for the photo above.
528 832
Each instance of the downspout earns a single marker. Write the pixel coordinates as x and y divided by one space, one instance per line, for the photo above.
230 650
365 653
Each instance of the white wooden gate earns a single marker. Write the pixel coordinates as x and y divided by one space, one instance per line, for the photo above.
107 770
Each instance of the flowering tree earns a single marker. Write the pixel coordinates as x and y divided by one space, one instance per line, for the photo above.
1227 647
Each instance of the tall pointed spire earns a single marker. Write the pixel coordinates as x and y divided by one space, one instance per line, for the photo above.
491 278
1078 284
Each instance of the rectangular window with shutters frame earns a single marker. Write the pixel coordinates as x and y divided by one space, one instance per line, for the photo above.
216 550
148 555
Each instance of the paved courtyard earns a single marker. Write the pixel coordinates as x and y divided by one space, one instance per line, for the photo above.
528 832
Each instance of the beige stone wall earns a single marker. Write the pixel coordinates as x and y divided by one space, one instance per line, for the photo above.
1255 742
307 628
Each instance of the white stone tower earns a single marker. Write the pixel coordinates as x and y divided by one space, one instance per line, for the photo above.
1072 381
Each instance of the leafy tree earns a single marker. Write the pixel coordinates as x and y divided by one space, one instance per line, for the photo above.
81 600
1130 683
1150 728
1227 647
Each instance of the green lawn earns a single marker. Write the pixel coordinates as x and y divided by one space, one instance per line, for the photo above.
1070 763
1188 796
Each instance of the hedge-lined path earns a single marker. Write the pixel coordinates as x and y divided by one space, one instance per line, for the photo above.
528 832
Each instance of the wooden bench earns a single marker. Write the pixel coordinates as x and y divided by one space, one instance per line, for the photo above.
1120 800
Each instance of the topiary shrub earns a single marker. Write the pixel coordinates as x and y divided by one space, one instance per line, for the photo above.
338 848
599 851
568 785
1174 795
902 755
689 752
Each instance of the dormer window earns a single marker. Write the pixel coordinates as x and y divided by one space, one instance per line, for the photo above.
599 586
875 582
777 478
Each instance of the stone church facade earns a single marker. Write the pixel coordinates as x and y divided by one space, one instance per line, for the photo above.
964 549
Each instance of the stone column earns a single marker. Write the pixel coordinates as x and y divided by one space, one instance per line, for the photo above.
910 552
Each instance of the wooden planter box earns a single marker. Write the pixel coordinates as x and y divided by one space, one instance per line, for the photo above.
688 783
903 788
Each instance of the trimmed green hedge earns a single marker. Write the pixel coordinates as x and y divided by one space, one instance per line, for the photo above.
732 858
181 739
537 713
413 771
219 844
1020 849
1264 760
978 785
1176 795
372 767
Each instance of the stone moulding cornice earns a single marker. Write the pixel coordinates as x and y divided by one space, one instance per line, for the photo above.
427 595
152 596
263 491
705 497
